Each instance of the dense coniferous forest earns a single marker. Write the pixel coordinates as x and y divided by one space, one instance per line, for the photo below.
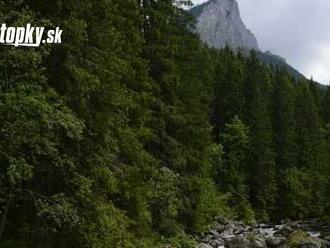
132 133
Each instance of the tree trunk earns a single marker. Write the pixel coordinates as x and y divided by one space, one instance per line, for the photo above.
4 218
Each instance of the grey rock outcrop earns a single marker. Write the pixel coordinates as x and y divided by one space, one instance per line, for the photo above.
219 24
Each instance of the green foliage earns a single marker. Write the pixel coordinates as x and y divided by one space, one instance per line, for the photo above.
299 238
183 241
132 133
229 99
232 176
165 201
13 244
211 201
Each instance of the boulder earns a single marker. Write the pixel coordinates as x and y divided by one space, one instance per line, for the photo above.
217 243
258 241
207 238
220 227
222 220
284 231
309 245
238 231
227 234
327 238
240 241
275 241
301 239
204 246
295 224
215 234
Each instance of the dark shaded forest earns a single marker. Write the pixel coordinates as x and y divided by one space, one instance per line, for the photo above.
132 133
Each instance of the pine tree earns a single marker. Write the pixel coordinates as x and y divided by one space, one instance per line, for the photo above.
232 177
257 115
284 138
325 104
228 90
310 153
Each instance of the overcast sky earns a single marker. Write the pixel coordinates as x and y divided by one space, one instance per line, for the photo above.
298 30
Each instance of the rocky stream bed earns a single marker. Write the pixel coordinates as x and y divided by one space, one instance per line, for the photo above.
291 234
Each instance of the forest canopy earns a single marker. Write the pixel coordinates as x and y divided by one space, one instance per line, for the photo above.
133 133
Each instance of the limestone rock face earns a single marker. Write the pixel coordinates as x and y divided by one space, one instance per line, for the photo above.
219 24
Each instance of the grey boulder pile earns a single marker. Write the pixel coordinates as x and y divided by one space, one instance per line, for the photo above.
232 234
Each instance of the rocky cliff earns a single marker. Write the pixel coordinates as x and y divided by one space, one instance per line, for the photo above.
219 24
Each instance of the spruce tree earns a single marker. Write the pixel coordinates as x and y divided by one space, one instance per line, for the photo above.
233 175
257 115
284 138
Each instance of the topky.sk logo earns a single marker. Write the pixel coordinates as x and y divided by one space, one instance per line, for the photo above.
29 36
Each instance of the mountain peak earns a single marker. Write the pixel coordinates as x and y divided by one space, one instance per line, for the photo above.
219 24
